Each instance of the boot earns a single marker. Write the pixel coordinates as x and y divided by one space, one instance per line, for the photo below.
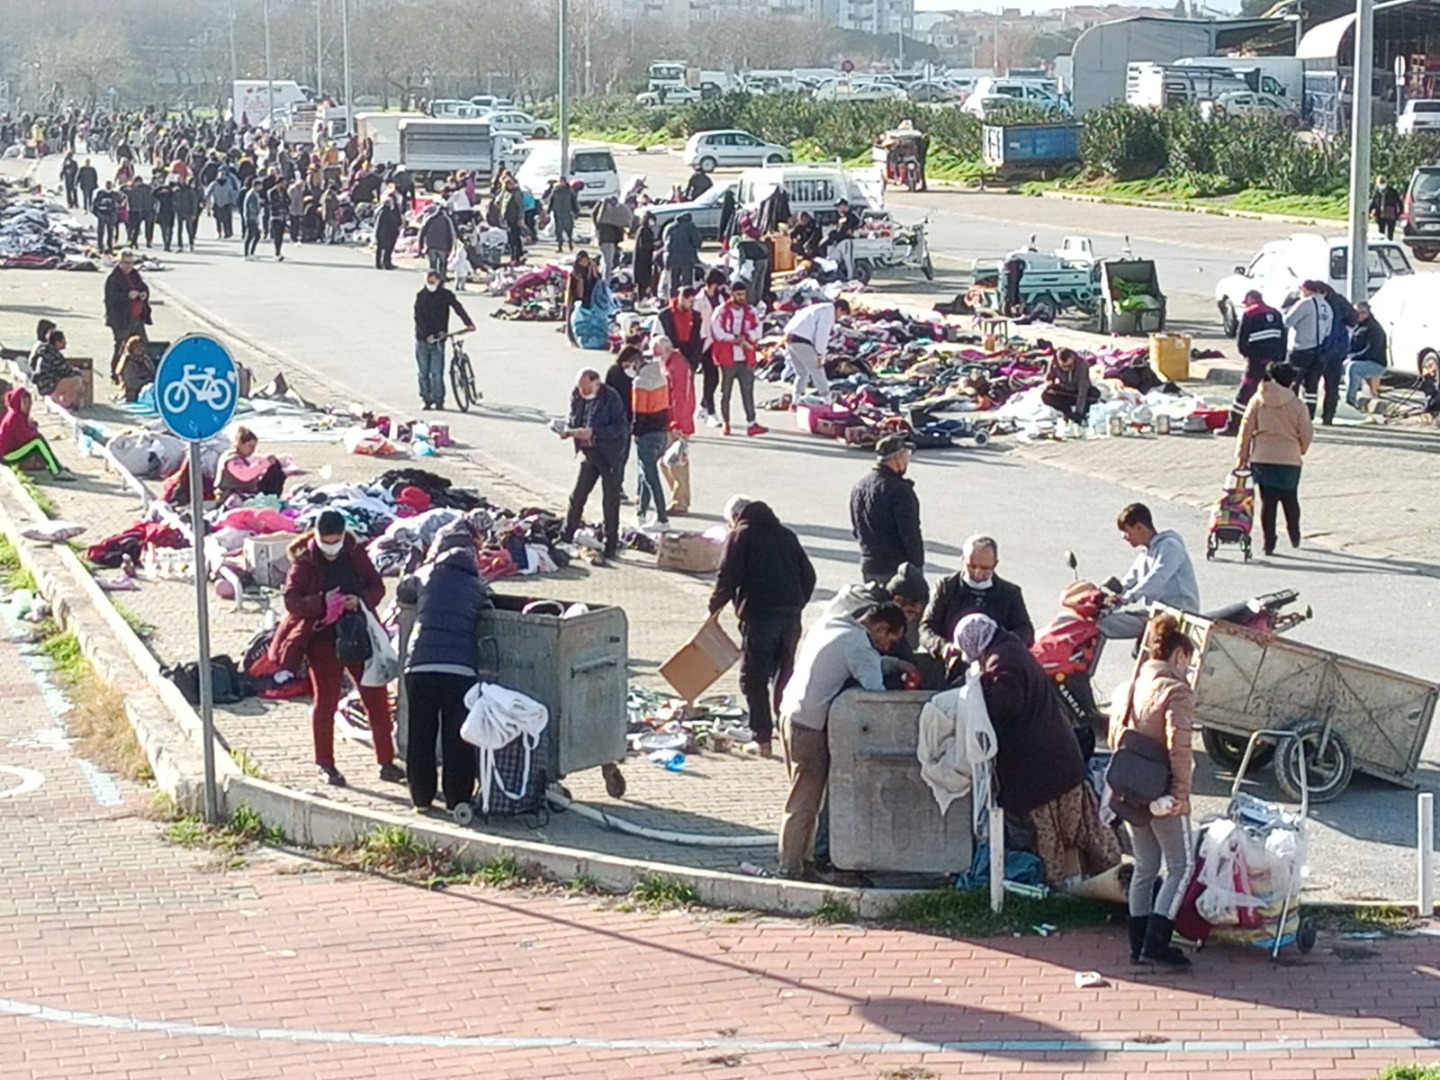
1157 948
1138 925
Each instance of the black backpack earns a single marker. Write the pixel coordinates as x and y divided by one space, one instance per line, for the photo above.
352 638
227 685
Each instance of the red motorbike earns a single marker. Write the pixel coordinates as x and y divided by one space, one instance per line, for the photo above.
1069 647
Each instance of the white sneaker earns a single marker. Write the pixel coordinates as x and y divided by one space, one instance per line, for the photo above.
655 527
711 420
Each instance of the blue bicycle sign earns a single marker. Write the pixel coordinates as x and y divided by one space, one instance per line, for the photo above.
196 387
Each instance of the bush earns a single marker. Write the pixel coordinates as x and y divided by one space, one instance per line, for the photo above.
1122 141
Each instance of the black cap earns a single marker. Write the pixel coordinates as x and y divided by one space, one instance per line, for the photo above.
891 445
909 584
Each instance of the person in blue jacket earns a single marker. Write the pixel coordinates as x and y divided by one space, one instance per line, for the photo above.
599 425
442 664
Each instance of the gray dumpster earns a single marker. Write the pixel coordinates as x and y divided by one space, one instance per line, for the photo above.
577 667
882 815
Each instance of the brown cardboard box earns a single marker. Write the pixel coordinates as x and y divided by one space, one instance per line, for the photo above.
688 552
701 660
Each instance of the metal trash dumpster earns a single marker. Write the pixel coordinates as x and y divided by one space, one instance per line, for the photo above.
577 667
883 817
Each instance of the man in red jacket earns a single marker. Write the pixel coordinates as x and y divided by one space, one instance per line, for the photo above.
736 330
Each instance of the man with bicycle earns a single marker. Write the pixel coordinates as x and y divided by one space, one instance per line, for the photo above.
433 305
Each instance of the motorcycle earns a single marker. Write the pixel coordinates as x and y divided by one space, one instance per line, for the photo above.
1069 648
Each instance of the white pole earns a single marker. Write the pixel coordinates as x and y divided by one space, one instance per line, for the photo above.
319 54
562 90
202 625
349 99
269 79
1425 861
1361 92
997 859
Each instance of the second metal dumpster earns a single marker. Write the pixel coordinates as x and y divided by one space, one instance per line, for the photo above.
1042 148
576 666
883 817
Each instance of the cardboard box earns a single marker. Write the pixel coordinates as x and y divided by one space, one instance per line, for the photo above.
701 660
1170 356
688 552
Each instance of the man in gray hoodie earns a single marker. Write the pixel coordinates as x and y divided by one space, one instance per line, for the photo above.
1161 574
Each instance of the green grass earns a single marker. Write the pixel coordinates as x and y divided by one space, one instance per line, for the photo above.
63 650
627 137
659 892
1361 919
1411 1072
42 501
1199 193
968 914
502 873
581 884
9 557
835 910
141 629
246 764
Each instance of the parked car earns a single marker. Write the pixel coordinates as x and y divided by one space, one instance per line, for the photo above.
1280 266
704 211
848 89
934 90
517 122
490 101
992 93
711 150
1253 103
1421 220
591 165
814 188
1419 114
668 95
1405 307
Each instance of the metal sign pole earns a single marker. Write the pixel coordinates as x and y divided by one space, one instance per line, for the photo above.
202 624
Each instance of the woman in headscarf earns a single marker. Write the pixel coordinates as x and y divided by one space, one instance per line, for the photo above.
645 257
1038 764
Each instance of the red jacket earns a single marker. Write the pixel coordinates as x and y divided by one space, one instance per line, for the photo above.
305 596
682 394
736 331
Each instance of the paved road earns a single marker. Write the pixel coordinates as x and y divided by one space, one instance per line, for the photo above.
125 958
326 308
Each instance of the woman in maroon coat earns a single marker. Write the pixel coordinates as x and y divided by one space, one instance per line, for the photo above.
324 564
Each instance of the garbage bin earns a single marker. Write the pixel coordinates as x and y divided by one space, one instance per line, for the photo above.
576 666
883 817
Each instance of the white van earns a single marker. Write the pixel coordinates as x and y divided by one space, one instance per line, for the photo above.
1406 309
1022 90
813 188
593 165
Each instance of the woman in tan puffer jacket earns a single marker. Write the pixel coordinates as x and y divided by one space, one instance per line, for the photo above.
1274 436
1161 706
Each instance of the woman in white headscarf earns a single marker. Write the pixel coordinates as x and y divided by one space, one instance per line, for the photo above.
1038 764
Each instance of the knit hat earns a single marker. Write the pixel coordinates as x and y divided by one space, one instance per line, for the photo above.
891 445
909 584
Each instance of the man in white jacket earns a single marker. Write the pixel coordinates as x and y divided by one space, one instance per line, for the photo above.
807 337
707 302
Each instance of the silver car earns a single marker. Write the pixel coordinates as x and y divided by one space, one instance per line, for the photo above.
711 150
517 122
704 211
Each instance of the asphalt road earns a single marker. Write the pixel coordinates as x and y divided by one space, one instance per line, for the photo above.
328 310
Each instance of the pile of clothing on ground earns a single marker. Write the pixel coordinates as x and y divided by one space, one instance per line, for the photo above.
533 294
38 233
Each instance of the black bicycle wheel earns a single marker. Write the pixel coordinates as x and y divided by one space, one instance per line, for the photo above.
461 381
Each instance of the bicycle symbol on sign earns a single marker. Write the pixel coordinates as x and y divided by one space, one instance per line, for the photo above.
200 386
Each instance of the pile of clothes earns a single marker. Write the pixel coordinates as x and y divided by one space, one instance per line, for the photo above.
660 722
37 233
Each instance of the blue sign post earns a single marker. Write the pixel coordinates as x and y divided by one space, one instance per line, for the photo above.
196 388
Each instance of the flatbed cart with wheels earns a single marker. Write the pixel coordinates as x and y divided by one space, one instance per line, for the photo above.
1342 715
1234 896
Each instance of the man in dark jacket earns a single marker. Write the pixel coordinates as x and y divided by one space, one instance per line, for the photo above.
766 574
699 183
187 214
1369 355
600 428
433 305
165 211
442 663
141 220
437 240
105 205
682 254
1261 342
387 230
976 588
127 306
1386 206
885 513
87 180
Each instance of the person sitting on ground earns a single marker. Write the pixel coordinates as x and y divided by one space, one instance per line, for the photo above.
241 471
1161 574
53 376
1038 762
42 334
1067 386
21 444
976 588
136 370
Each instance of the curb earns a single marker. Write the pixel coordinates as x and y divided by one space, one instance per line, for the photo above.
1184 208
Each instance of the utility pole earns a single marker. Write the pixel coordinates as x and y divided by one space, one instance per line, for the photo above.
1361 94
588 85
319 54
349 97
562 90
234 67
269 77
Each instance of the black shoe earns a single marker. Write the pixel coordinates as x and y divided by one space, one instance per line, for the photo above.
1138 925
425 406
333 776
392 773
1157 948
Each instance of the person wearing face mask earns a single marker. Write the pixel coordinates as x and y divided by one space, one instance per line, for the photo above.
330 574
976 588
433 305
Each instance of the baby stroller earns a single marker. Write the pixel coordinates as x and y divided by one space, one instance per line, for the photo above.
1233 516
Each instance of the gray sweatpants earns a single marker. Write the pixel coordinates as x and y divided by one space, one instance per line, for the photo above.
1166 839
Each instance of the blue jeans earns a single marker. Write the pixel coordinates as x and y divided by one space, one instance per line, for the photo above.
430 366
439 262
1356 372
648 449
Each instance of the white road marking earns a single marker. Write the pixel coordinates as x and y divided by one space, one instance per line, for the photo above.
30 779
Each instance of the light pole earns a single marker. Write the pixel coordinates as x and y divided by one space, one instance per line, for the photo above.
269 79
234 67
1361 112
345 35
319 54
562 90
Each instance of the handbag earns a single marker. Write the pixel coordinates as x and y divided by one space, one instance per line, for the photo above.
1139 771
352 638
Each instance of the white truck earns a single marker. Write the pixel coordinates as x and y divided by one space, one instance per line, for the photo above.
250 99
1283 76
431 150
1161 86
307 124
383 130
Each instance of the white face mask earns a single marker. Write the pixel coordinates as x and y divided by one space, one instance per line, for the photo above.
980 586
330 550
431 286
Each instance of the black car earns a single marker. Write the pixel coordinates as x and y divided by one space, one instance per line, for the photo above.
1422 213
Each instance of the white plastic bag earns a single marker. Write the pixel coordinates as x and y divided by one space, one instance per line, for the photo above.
383 664
677 454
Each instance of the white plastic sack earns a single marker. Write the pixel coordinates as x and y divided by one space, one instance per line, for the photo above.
495 717
956 746
677 454
383 664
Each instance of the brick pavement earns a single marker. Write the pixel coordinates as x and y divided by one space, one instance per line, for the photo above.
122 957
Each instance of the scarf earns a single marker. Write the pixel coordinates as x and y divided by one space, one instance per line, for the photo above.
684 325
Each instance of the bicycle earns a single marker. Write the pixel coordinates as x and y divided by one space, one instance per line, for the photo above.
200 385
462 374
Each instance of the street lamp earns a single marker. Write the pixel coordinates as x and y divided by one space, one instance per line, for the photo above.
349 98
269 79
1362 91
562 90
